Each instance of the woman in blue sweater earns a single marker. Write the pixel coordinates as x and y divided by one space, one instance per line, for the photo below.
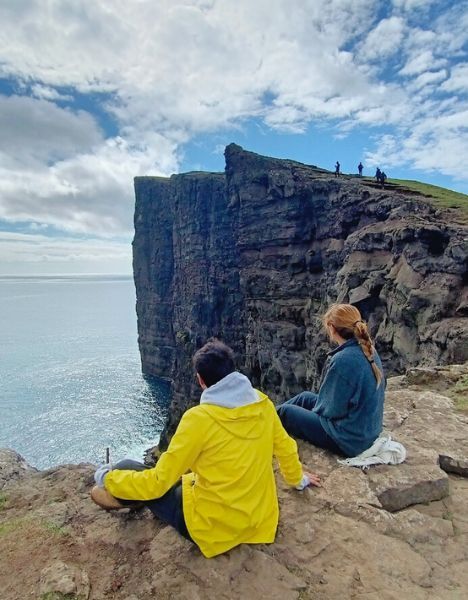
347 413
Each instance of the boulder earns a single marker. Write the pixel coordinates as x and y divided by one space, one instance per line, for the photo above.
12 466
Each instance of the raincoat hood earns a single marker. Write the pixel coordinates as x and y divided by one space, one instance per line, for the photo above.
236 406
232 391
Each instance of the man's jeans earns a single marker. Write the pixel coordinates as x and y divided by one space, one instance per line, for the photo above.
168 508
300 421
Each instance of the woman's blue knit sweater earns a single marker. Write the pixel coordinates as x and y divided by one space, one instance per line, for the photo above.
350 405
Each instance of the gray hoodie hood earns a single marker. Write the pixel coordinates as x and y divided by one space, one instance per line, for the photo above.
232 391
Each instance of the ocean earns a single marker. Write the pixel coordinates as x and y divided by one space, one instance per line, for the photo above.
70 374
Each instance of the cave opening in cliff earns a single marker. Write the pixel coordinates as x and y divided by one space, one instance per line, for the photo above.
436 241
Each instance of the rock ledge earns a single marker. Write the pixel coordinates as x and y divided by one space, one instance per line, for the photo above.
389 533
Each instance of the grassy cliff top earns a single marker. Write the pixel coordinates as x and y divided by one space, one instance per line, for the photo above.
439 196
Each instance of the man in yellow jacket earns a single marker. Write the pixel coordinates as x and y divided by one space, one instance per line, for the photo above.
215 483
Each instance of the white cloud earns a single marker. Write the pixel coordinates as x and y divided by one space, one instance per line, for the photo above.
427 79
422 61
433 136
192 66
450 28
458 80
45 92
88 192
432 145
384 40
57 168
387 154
35 253
410 5
37 226
37 131
175 68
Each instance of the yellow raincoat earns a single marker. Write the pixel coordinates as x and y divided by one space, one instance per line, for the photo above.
229 495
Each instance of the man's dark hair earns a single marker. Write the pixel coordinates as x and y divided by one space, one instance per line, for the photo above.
213 361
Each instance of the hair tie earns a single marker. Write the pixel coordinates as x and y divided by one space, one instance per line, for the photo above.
372 360
356 322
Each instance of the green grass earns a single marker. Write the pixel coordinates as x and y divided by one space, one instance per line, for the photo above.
459 393
440 197
18 523
55 529
11 525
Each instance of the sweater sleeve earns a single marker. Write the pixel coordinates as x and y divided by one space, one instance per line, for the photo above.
335 394
153 483
285 450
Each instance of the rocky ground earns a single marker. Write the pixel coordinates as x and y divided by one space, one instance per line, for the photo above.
396 532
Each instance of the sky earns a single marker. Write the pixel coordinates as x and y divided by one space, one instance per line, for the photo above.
94 93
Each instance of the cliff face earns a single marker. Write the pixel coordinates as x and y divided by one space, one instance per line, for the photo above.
257 254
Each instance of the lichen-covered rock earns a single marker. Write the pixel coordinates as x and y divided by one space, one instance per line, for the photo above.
12 466
255 255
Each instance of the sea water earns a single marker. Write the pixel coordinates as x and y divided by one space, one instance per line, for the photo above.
70 374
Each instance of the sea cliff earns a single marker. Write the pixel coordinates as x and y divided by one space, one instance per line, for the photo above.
256 254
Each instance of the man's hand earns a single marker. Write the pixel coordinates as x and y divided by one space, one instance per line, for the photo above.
308 479
101 473
314 480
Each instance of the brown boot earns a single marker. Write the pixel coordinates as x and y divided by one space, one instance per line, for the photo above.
105 500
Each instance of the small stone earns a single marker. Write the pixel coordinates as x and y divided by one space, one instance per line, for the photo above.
400 486
454 465
64 579
421 376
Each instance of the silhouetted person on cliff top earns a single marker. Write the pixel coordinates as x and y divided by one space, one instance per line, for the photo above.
215 483
360 168
383 179
378 173
337 169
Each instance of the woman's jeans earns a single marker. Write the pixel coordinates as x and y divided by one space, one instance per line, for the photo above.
300 421
168 508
